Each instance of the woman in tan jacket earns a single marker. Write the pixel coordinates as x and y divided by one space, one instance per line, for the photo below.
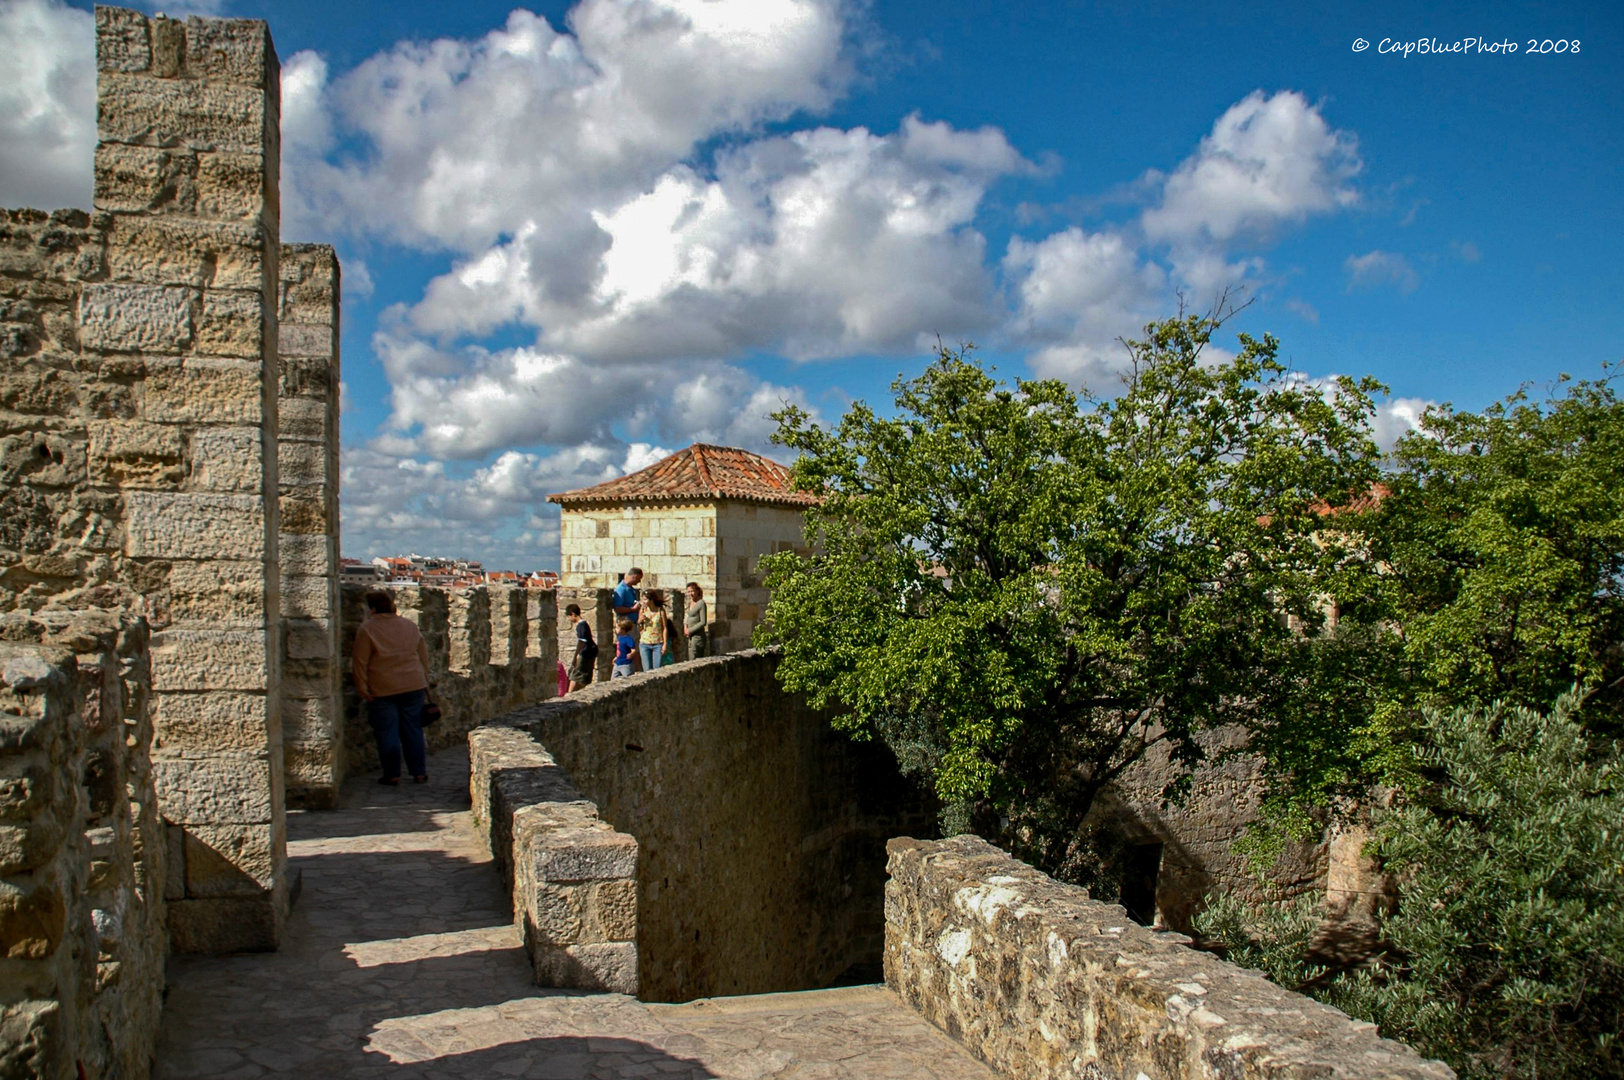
392 676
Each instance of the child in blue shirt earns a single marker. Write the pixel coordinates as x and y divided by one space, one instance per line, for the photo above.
625 649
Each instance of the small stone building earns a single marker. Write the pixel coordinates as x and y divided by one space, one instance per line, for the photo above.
705 514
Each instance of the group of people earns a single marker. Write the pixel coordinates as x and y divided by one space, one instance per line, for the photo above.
645 634
391 662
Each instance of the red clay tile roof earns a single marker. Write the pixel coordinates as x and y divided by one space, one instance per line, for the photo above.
699 472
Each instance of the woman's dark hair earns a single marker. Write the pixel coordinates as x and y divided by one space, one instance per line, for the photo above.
380 602
572 609
655 597
694 585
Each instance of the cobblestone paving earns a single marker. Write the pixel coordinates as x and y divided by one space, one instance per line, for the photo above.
400 962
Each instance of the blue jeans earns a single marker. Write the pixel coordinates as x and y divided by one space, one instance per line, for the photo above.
397 725
651 655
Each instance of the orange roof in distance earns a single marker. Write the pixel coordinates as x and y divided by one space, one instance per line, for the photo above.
699 472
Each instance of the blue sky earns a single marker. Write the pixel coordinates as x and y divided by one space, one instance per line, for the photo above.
577 236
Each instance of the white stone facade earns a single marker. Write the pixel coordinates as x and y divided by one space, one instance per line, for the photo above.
718 544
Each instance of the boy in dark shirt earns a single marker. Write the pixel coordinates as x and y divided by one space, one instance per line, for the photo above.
586 650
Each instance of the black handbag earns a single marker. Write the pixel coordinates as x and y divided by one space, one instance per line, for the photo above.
431 711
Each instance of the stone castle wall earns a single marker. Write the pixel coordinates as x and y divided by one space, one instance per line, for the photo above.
307 545
760 830
491 649
85 861
1039 981
138 430
1197 836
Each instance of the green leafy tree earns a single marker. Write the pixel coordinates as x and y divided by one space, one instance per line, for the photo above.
1023 589
1495 572
1508 943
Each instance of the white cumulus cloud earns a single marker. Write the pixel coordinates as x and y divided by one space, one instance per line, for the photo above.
47 104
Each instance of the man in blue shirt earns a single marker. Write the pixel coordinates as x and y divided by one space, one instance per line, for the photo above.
625 598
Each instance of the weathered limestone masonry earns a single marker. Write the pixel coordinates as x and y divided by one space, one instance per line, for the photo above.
491 649
760 831
307 472
744 533
187 171
1039 981
597 610
572 877
1196 839
82 852
139 417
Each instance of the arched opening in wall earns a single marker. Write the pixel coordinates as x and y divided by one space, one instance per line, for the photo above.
1142 865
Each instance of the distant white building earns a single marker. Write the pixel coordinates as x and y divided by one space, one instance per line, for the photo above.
705 514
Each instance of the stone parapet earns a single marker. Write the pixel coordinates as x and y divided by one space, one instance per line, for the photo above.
760 830
84 863
475 676
572 877
1040 981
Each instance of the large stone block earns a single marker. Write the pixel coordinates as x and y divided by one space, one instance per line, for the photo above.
308 554
225 790
232 323
122 41
305 597
227 459
303 339
233 186
230 50
129 453
606 966
136 318
30 1034
304 418
224 925
310 639
218 593
308 719
165 112
209 660
561 856
182 251
233 860
212 724
203 390
306 515
301 464
195 526
146 179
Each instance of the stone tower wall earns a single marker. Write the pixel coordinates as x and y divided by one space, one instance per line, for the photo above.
744 533
307 472
673 543
138 432
190 303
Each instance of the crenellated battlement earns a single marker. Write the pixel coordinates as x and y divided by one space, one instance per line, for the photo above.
491 648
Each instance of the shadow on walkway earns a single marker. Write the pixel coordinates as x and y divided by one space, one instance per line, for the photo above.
400 960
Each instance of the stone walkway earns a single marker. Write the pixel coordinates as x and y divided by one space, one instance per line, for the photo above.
400 961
